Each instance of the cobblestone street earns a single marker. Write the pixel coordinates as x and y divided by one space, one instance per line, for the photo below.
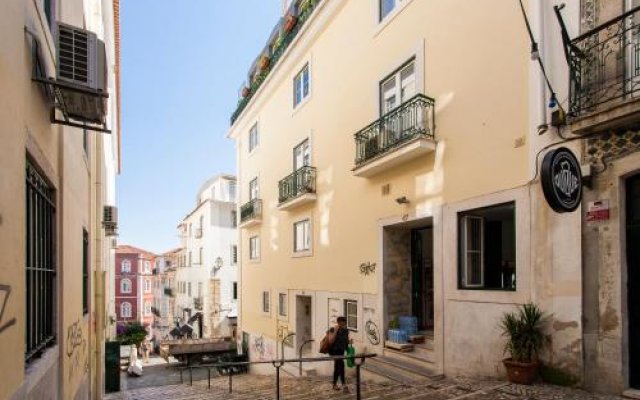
262 387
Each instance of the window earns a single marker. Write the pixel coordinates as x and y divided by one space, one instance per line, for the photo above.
40 271
254 248
199 289
201 255
351 314
234 218
301 155
234 254
253 138
282 304
265 302
49 11
189 258
254 189
386 6
301 86
125 286
85 271
125 266
232 191
235 290
302 236
147 308
147 267
189 289
398 88
147 285
487 248
125 310
201 223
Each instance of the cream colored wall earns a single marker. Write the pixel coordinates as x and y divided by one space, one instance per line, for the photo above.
63 371
472 57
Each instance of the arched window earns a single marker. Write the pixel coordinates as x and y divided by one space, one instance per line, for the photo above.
126 266
147 308
125 286
125 310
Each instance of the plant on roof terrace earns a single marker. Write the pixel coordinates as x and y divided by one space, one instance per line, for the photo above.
290 22
264 63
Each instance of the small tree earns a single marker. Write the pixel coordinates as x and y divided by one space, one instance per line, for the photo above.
524 330
131 333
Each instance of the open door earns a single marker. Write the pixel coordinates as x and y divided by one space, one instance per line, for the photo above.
633 278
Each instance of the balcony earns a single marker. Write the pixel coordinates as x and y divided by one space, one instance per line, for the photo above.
297 189
251 213
284 34
401 135
604 63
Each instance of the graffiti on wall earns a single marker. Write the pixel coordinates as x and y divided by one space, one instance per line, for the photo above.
262 348
76 349
367 268
6 289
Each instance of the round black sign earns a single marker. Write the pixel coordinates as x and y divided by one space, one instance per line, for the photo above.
561 180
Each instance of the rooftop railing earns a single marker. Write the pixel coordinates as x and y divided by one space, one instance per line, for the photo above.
412 119
301 11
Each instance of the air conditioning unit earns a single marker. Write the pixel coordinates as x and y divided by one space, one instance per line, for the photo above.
110 220
82 65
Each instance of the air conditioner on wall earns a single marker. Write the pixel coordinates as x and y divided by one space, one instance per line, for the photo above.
82 65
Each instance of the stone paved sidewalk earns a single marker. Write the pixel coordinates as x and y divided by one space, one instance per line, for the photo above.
247 387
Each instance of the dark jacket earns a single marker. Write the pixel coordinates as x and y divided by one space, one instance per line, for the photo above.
339 346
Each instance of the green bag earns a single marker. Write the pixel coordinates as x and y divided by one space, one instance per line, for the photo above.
351 351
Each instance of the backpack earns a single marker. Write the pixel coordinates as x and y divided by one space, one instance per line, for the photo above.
327 341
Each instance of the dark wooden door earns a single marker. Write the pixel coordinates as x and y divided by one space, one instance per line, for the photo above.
633 275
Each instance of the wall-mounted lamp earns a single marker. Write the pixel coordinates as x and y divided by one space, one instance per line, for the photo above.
402 200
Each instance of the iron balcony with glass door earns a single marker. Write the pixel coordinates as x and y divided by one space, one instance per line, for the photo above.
604 71
251 213
297 189
401 135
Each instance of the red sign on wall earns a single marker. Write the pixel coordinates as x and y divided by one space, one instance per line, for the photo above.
598 210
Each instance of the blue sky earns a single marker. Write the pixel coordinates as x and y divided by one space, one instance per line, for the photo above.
182 66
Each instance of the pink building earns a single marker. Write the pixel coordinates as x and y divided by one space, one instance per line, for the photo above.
134 285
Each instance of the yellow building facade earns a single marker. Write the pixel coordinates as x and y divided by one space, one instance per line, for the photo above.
56 180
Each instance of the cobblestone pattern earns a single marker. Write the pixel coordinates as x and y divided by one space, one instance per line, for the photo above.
247 387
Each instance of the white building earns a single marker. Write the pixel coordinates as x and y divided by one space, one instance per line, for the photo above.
206 279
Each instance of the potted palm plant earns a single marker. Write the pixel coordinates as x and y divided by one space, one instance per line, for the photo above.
524 329
290 22
264 63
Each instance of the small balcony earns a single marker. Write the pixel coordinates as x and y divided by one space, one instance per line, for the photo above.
251 213
403 134
604 71
297 189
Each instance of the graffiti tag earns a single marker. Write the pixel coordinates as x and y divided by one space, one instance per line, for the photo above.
76 349
367 268
12 321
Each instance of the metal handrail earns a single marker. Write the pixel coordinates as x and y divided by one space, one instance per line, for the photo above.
251 209
296 184
359 360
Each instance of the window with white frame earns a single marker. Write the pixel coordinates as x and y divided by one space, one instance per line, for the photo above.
282 304
234 219
254 189
253 137
201 255
398 88
386 6
147 267
147 308
254 247
302 236
235 291
189 289
125 286
301 86
266 306
125 310
487 248
232 191
125 266
302 155
147 285
351 314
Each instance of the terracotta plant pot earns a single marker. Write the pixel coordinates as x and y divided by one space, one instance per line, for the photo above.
245 91
520 373
264 63
290 23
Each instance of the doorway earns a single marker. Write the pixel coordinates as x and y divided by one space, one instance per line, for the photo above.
304 331
633 277
422 277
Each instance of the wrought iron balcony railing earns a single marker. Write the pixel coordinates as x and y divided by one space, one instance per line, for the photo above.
412 119
604 64
302 10
251 210
298 183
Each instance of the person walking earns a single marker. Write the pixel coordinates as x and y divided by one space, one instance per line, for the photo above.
338 348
